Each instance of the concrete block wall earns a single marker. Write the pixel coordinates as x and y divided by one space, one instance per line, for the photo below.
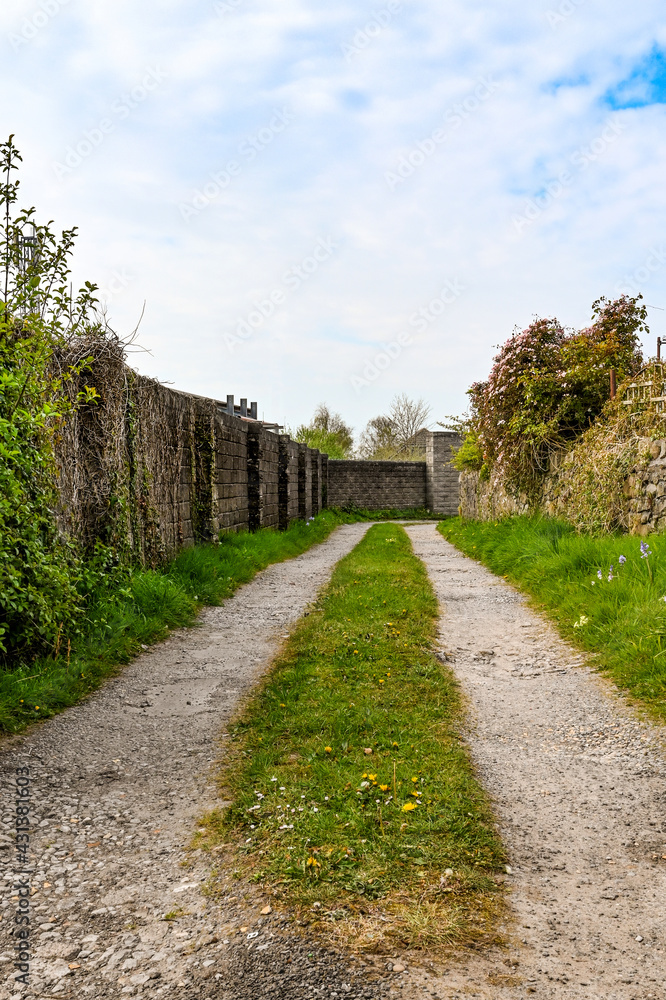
315 465
442 479
158 469
324 481
401 485
263 466
154 469
230 496
376 484
289 452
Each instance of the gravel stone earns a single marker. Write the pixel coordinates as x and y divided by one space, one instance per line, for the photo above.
578 783
118 783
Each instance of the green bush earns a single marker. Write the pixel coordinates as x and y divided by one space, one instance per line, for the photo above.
39 322
545 387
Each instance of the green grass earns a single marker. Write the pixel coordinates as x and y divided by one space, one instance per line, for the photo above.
623 621
125 610
356 717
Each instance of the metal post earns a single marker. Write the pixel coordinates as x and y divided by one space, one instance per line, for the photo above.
253 410
230 405
243 407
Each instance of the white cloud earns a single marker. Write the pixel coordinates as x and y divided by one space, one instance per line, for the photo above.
325 174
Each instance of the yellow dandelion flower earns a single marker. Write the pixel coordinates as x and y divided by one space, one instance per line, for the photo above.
328 749
373 777
383 788
395 744
415 779
408 806
381 681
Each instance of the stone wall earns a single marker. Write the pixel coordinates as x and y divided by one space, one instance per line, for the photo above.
486 499
623 488
645 490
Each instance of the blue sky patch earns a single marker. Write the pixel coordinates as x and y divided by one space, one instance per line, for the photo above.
645 85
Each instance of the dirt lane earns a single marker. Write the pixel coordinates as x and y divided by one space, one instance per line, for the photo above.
117 785
578 782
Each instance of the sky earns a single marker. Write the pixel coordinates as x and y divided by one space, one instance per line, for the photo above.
311 202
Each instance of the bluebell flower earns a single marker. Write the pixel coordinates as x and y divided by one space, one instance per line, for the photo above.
622 560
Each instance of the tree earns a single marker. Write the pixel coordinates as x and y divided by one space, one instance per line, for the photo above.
398 434
328 432
41 324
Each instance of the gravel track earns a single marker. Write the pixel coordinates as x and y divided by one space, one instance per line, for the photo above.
578 782
118 783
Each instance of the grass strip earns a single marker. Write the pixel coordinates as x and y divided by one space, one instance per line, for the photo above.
353 795
605 593
125 610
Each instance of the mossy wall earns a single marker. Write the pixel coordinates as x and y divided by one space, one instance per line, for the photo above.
613 478
149 469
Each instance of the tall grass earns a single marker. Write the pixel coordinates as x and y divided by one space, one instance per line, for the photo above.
622 620
124 610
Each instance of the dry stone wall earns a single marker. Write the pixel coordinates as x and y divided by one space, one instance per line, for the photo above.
625 491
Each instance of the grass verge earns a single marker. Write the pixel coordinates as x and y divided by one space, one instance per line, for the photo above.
127 610
603 593
353 797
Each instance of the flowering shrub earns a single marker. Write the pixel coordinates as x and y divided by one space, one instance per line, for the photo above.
545 387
